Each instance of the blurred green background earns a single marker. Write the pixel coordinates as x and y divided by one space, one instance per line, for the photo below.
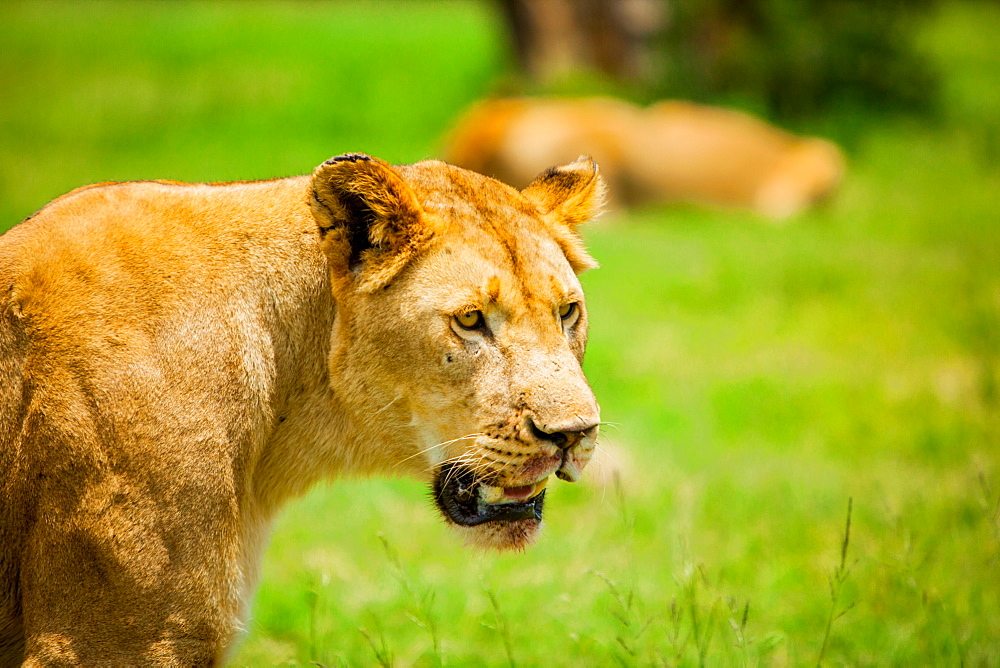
757 376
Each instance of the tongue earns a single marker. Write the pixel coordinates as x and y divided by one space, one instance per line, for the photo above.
522 492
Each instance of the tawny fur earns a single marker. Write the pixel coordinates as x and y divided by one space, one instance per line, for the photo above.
179 360
670 151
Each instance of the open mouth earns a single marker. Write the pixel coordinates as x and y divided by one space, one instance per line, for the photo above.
469 502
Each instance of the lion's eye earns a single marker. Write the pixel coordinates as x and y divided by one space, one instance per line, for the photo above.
566 311
470 319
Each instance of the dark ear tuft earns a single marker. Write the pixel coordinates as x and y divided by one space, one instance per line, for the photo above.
369 219
574 192
347 157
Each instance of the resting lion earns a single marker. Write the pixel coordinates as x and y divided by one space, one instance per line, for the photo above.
179 360
669 151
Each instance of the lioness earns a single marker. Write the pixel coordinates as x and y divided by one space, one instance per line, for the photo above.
178 360
669 151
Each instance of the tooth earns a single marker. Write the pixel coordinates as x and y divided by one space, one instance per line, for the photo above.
490 494
539 487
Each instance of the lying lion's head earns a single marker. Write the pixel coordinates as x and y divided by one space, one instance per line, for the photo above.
459 331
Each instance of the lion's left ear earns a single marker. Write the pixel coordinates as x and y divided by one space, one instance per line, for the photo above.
574 192
571 195
371 224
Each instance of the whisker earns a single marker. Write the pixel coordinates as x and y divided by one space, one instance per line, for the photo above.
460 457
437 445
452 472
469 463
384 408
455 461
475 465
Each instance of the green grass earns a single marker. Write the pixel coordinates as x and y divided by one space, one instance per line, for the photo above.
759 377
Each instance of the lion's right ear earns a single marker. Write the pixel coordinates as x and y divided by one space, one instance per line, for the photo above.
568 196
574 193
370 222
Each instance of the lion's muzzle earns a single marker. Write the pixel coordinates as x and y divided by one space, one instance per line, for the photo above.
511 498
573 440
467 501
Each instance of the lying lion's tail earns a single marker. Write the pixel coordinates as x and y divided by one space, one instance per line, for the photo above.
809 172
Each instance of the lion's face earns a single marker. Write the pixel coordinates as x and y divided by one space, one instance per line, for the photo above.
466 312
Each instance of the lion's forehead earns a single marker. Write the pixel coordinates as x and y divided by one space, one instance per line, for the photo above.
492 246
463 197
517 272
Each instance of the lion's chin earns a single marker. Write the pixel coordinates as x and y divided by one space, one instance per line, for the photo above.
502 536
489 517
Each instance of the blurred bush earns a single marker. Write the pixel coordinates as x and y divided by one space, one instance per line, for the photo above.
795 58
786 59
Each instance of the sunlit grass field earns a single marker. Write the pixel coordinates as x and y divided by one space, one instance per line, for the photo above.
760 380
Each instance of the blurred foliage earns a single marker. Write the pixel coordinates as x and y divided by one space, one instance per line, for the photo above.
203 91
795 58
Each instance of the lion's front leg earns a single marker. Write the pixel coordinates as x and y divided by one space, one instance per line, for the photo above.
122 582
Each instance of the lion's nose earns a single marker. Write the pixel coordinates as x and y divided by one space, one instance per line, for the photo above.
563 437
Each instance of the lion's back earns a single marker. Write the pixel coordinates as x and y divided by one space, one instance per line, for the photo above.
145 308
